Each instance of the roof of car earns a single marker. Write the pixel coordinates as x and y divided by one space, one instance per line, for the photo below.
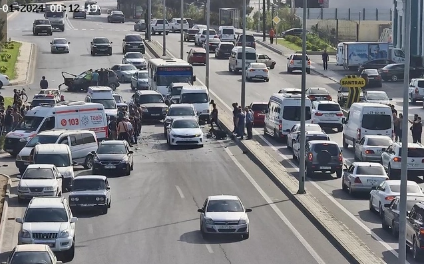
369 164
325 102
199 50
184 118
90 177
52 148
323 142
112 142
181 105
260 103
397 182
376 136
58 132
310 133
142 92
31 247
40 166
43 202
223 197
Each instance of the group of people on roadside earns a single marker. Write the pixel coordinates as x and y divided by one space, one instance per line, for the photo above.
243 121
97 77
127 125
416 126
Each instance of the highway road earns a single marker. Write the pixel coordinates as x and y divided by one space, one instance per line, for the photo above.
353 211
154 211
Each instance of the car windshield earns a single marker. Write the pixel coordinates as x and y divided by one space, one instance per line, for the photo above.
312 127
379 142
118 98
46 215
292 113
194 98
224 206
143 75
317 137
193 31
133 38
211 32
329 107
318 91
258 66
54 14
112 149
59 160
259 107
181 111
38 173
134 56
371 72
330 148
128 68
119 13
226 47
42 139
413 152
30 123
39 102
377 96
101 41
299 57
376 122
88 184
370 170
150 99
42 22
31 257
60 41
409 188
107 103
227 31
176 90
185 124
410 203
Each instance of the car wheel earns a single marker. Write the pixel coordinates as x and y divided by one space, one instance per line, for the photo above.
344 186
345 145
416 252
394 78
128 170
88 163
351 192
339 173
70 253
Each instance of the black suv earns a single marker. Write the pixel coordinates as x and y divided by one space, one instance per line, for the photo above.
250 41
415 231
190 34
323 156
41 26
152 104
133 42
101 46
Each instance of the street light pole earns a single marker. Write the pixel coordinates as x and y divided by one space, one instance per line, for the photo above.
404 158
148 22
182 30
208 25
302 175
164 29
263 21
243 60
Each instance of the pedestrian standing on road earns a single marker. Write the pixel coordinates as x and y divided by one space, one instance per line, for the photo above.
214 116
249 122
16 117
325 59
235 112
1 121
44 84
241 121
393 109
8 122
396 126
112 128
399 133
416 129
271 36
95 78
123 132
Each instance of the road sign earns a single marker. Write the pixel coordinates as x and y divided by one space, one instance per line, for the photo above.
276 20
355 84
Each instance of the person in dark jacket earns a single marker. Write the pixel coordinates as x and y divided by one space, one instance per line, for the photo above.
44 84
416 129
8 122
325 59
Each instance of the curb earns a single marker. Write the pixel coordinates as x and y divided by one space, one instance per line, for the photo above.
5 209
30 74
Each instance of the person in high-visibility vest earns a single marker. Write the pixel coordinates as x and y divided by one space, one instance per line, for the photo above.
88 75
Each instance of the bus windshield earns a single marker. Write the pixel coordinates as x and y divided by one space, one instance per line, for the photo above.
165 75
166 80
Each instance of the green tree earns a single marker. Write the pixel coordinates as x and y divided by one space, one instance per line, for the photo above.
2 35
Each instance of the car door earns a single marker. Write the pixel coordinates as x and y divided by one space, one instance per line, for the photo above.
348 175
77 143
359 147
261 58
377 194
58 178
296 145
202 215
391 213
385 156
292 135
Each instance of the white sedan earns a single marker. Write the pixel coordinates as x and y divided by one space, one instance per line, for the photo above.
370 147
257 71
291 137
136 59
387 191
59 45
379 97
363 177
184 131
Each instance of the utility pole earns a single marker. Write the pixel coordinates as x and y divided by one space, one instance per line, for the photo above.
182 30
208 25
263 21
148 20
243 59
302 175
404 158
259 14
164 29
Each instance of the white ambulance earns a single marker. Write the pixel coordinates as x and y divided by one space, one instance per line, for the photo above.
66 115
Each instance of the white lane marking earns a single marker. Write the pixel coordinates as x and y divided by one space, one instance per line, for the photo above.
69 23
331 198
90 228
91 28
209 248
180 191
286 221
83 29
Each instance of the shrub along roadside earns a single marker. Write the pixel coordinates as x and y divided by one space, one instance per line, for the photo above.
8 57
313 43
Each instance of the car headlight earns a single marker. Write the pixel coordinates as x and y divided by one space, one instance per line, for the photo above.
18 157
145 110
100 198
23 189
25 234
124 161
49 188
243 221
197 135
24 139
74 199
164 109
208 221
64 233
94 46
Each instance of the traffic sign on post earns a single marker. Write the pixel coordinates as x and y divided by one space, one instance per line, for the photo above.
276 20
355 84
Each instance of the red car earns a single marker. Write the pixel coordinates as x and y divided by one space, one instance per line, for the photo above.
197 56
259 109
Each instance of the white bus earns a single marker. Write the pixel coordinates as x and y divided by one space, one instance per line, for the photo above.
164 71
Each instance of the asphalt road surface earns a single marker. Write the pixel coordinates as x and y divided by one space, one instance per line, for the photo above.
154 211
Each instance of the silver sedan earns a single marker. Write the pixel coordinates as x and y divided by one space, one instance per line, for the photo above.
363 177
370 147
59 45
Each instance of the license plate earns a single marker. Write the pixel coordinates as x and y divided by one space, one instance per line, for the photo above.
110 167
370 78
155 114
325 168
372 181
412 165
87 205
378 151
258 76
328 114
226 227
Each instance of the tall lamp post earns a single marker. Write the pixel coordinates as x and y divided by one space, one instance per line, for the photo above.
182 30
302 175
208 25
164 29
148 20
243 60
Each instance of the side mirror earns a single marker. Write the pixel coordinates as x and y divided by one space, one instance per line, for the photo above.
60 176
74 219
91 42
288 58
19 220
200 210
268 68
93 152
248 210
167 102
111 42
107 187
51 42
123 39
74 163
130 152
187 52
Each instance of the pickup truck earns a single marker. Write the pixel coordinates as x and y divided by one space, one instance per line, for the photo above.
175 25
157 26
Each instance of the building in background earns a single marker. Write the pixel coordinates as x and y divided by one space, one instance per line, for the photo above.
371 4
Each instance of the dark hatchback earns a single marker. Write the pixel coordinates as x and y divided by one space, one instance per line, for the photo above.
113 157
190 34
372 78
374 64
223 51
152 104
79 14
133 42
116 16
90 192
395 72
101 46
250 41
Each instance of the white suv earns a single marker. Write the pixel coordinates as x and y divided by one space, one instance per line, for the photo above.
327 114
391 160
49 221
294 63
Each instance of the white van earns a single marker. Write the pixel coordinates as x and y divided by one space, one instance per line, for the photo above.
227 34
367 119
235 60
283 113
199 97
102 95
81 143
58 155
69 115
